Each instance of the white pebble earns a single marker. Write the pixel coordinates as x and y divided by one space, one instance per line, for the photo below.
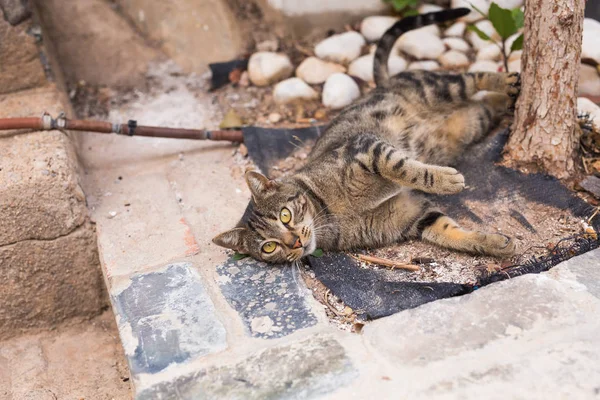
454 58
490 52
484 66
456 30
341 48
429 8
339 91
487 28
315 71
424 65
454 43
421 45
373 28
293 89
589 81
591 40
483 5
265 68
274 118
586 106
362 67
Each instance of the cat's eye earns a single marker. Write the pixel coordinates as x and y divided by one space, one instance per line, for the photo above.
285 215
269 247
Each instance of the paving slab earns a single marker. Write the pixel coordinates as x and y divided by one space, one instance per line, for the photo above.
530 337
165 318
269 299
304 370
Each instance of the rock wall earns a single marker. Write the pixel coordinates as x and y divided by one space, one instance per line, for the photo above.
49 265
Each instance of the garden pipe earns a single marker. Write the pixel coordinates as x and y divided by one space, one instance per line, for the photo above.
46 123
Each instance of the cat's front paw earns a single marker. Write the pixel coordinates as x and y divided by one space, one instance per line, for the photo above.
447 180
498 245
513 88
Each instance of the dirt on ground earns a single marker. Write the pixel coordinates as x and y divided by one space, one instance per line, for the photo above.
82 361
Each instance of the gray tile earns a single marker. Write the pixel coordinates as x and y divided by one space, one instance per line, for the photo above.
302 370
268 298
170 318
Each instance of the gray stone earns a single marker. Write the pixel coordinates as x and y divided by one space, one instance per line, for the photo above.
303 370
167 317
268 298
530 305
585 269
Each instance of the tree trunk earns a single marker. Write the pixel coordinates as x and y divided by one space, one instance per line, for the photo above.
545 131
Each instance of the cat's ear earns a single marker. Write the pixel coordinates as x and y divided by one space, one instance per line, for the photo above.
259 184
232 239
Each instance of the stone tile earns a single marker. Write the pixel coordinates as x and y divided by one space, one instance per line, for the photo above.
139 221
449 327
303 370
167 318
585 269
268 298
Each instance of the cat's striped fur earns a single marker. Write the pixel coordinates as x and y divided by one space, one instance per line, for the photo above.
360 186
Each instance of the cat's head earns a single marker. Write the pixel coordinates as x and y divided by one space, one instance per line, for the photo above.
277 226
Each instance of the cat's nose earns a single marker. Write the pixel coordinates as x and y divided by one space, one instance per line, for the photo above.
297 243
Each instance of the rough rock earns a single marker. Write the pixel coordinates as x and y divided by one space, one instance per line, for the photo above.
46 282
265 68
192 33
373 28
424 65
591 40
20 67
341 48
589 81
484 66
421 45
302 370
339 91
314 71
454 58
96 44
490 52
293 89
458 44
486 27
456 30
587 106
15 11
362 67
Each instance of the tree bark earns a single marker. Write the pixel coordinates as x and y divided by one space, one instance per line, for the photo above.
545 131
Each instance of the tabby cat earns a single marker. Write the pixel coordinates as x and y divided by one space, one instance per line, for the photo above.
360 186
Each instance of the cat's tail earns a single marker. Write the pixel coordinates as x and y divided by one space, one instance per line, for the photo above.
386 43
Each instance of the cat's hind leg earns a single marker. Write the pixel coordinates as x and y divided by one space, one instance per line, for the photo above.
442 230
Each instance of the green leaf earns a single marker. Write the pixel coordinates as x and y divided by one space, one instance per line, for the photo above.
317 253
479 32
518 17
517 44
239 256
503 21
409 13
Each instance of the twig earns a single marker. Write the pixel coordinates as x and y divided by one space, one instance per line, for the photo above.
332 308
387 263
